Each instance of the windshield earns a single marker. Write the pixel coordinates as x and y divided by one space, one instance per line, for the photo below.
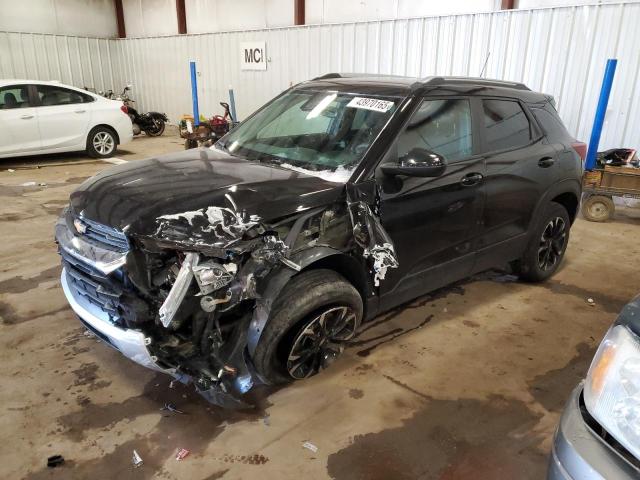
320 133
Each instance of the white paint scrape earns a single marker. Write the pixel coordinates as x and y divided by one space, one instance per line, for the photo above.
339 175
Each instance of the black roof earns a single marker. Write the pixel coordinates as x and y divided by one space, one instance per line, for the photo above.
402 86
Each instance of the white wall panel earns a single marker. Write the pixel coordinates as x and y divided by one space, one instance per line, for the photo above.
79 61
561 51
95 18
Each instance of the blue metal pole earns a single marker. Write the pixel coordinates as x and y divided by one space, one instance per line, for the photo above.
601 110
194 94
232 104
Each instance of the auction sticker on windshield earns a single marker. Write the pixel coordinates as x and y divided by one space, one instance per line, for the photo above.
371 104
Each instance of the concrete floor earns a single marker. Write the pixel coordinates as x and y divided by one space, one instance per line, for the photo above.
466 383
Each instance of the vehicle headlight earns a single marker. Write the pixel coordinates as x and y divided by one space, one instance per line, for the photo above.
612 388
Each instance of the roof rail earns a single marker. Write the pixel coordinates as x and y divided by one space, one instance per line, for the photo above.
328 76
489 82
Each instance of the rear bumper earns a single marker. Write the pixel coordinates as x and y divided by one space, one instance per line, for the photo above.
131 343
124 128
579 454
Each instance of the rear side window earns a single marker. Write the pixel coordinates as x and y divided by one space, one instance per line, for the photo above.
440 126
50 95
506 126
550 122
14 96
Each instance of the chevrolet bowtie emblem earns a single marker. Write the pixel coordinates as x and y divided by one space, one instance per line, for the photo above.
80 227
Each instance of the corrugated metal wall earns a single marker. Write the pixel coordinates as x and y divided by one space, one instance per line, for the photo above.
561 51
79 61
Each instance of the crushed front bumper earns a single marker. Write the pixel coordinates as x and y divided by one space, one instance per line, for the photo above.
131 343
579 454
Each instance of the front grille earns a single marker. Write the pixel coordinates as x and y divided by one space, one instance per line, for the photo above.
105 236
92 285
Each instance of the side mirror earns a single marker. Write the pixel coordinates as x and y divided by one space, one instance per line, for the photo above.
417 163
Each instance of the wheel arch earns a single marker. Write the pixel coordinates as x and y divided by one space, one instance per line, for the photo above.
311 259
105 125
567 193
570 202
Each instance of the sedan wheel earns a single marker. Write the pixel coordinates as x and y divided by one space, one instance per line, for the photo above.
104 143
321 341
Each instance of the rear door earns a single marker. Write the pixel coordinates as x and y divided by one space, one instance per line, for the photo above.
63 116
433 222
521 164
18 121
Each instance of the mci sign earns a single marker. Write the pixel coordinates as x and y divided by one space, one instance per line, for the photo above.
254 56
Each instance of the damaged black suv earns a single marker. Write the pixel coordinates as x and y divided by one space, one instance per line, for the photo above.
256 260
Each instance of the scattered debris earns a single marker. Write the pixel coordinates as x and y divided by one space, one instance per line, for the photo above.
171 408
55 461
42 184
28 184
136 459
591 302
182 454
11 170
310 446
172 384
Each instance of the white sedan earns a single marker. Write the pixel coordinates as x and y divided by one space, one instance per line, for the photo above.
49 117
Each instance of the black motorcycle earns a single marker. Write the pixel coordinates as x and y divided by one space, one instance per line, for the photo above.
151 123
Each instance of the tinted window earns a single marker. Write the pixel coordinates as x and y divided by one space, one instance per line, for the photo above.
50 95
548 118
440 126
14 96
505 125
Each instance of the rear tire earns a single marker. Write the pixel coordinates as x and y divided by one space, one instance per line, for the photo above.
598 208
101 142
157 129
306 326
546 248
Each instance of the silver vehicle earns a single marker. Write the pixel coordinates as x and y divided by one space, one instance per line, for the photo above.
599 433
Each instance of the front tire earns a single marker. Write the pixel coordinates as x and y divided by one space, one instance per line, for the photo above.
315 315
547 246
101 142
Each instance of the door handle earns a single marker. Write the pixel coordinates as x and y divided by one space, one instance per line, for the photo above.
26 117
80 111
546 162
471 179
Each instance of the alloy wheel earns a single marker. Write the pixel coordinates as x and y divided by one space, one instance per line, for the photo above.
103 143
321 341
552 242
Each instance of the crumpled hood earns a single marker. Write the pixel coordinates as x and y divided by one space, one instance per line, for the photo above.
132 196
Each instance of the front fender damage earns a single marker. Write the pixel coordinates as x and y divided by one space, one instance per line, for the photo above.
210 277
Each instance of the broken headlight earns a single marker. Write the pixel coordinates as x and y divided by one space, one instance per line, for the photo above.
212 276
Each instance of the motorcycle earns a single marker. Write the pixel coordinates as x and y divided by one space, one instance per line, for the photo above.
208 132
151 123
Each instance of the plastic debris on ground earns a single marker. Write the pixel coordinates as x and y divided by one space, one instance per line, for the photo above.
591 302
55 461
11 170
310 446
182 454
136 459
171 408
28 184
